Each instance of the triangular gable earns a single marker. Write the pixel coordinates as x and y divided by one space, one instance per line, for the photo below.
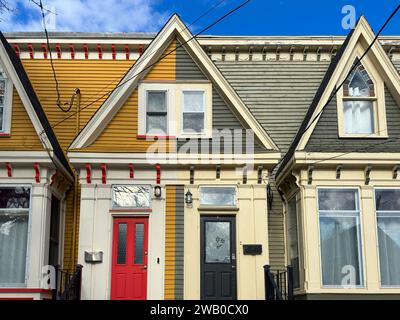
16 72
362 34
174 28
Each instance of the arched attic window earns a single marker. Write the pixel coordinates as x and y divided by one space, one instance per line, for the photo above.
359 103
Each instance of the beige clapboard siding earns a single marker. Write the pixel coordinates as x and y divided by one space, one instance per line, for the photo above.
23 135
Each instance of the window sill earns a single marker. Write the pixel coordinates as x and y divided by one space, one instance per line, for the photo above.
5 135
155 137
363 136
218 208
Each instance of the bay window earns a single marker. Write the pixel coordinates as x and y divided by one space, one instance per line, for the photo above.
14 221
387 203
340 239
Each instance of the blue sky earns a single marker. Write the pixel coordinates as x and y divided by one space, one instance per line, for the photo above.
259 17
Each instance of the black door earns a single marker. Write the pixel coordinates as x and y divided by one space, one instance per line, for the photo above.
218 258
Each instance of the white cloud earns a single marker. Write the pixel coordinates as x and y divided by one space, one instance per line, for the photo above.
88 15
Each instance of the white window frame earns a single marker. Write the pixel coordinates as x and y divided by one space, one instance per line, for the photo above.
7 108
361 256
131 208
377 235
183 111
28 245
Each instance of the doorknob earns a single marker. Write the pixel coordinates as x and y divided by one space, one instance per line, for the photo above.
145 267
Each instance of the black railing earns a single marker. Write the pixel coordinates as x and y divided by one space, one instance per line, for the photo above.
279 284
68 284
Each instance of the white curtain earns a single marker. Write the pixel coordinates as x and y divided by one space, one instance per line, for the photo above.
359 117
13 245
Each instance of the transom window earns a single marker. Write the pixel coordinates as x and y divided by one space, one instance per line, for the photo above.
131 196
14 222
156 112
218 196
359 102
387 203
340 239
193 111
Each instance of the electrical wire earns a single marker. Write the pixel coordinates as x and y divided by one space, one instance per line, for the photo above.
152 64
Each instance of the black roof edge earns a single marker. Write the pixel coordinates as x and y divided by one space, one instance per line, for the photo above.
314 104
19 68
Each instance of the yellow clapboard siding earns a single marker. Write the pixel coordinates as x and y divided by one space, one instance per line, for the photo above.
169 280
23 135
165 69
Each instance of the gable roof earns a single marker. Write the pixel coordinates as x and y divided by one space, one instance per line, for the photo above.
173 28
16 72
364 32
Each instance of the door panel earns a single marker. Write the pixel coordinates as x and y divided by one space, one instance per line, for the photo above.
129 260
218 258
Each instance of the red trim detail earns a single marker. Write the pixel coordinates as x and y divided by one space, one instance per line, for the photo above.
127 52
131 172
103 173
16 48
44 48
6 135
30 48
58 49
144 136
12 299
140 50
24 290
100 51
114 54
158 176
9 169
88 173
37 172
131 210
72 49
86 50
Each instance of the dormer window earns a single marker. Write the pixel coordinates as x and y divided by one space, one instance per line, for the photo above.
5 102
359 114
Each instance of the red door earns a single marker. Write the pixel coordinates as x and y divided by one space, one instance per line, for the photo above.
129 259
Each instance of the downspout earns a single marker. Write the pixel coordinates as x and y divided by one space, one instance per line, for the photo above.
76 185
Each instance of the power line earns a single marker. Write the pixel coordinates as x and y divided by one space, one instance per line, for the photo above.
355 65
215 6
152 64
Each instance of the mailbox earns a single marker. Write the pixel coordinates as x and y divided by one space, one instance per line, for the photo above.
252 249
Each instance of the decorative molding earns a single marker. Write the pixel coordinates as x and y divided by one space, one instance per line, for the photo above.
367 172
310 174
395 171
338 171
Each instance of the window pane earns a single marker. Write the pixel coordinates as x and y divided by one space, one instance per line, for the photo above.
340 251
13 245
156 101
193 101
224 196
2 86
157 124
359 117
131 196
387 200
217 242
121 251
358 86
337 199
193 122
14 197
139 237
389 249
293 239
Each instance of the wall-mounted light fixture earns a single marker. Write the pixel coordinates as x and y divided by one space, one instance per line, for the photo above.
188 197
157 191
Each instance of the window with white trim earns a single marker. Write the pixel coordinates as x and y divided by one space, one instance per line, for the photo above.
14 223
340 237
156 112
387 204
193 111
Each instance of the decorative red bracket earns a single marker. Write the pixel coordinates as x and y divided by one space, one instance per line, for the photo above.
99 50
114 53
44 48
88 173
30 48
140 50
58 49
37 172
131 172
86 50
9 169
17 51
72 49
103 173
127 52
158 176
